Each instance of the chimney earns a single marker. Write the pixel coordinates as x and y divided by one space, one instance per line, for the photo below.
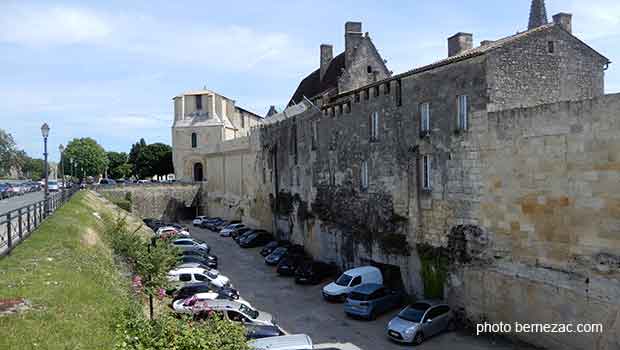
564 20
459 42
352 39
327 53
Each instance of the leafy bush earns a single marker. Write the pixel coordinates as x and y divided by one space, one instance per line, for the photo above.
135 332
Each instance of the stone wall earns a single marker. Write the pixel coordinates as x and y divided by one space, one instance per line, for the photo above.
550 206
167 202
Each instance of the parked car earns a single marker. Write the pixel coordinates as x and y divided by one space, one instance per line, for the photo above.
225 232
184 306
237 233
4 191
191 242
275 257
52 186
271 246
182 276
210 261
198 220
253 331
285 342
199 253
338 290
203 287
257 238
107 182
169 231
241 233
289 263
232 311
420 321
224 223
370 300
211 223
313 272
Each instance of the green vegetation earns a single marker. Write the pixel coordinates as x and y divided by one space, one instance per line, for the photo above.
89 158
16 161
122 202
118 166
435 265
68 274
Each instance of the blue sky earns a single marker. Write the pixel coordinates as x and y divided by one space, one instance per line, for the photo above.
108 69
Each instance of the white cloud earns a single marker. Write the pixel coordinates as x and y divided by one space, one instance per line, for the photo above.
593 19
51 26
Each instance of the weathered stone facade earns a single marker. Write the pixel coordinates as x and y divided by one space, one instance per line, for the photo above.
506 202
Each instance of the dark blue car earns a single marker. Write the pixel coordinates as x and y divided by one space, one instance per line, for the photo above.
370 300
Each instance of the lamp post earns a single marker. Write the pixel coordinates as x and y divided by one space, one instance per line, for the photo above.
61 149
45 131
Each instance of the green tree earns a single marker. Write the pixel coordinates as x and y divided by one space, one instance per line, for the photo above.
88 155
9 158
154 159
33 168
118 168
133 155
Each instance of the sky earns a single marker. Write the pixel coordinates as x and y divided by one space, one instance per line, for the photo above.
108 69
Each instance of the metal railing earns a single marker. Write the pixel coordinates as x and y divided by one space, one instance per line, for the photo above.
17 224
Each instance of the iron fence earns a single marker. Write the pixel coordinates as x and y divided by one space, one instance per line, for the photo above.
17 224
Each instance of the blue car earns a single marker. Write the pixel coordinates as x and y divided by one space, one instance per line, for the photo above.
370 300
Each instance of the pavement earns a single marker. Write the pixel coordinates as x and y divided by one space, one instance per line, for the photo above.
301 309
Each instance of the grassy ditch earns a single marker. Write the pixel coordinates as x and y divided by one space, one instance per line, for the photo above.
68 274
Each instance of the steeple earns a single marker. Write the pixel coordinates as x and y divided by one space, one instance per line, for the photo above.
538 14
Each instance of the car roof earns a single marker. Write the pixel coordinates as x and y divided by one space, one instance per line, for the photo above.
362 270
287 342
188 270
429 302
221 304
367 288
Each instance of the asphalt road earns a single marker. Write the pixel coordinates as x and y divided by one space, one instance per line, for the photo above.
9 204
301 309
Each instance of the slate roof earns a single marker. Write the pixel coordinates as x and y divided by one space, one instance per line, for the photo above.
313 85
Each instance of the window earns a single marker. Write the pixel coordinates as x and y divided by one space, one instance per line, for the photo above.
356 97
185 277
374 126
315 134
376 89
425 117
198 102
366 94
463 112
369 69
387 88
200 277
399 98
551 46
356 281
242 120
194 140
426 172
364 175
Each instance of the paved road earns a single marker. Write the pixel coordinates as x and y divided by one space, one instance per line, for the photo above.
19 201
300 309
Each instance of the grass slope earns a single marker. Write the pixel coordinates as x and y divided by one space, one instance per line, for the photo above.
66 270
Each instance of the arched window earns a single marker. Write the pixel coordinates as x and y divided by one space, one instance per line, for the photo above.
194 140
198 172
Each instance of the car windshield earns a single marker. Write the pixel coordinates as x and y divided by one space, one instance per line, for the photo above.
252 236
52 182
414 312
279 251
212 274
344 280
248 311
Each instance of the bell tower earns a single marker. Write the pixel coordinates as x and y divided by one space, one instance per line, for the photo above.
538 14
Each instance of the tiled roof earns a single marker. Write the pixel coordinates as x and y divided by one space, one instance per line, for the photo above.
313 85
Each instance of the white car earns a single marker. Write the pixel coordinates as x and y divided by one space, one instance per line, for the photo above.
171 231
339 289
186 275
225 232
189 242
283 342
184 306
52 186
198 220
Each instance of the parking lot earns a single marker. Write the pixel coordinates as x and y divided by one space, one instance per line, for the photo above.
300 309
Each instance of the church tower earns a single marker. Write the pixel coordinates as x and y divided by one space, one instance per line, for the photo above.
538 14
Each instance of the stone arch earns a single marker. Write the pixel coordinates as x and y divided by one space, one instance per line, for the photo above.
190 165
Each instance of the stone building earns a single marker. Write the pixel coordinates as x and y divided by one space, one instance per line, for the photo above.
203 120
489 178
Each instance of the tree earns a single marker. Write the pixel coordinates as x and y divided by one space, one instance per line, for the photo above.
154 159
118 168
133 155
33 168
88 155
8 153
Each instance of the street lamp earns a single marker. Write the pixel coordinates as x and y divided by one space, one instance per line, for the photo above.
61 149
45 131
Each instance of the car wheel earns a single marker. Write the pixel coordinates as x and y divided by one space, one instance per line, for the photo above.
418 339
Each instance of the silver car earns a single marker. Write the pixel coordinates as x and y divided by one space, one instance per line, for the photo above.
420 321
